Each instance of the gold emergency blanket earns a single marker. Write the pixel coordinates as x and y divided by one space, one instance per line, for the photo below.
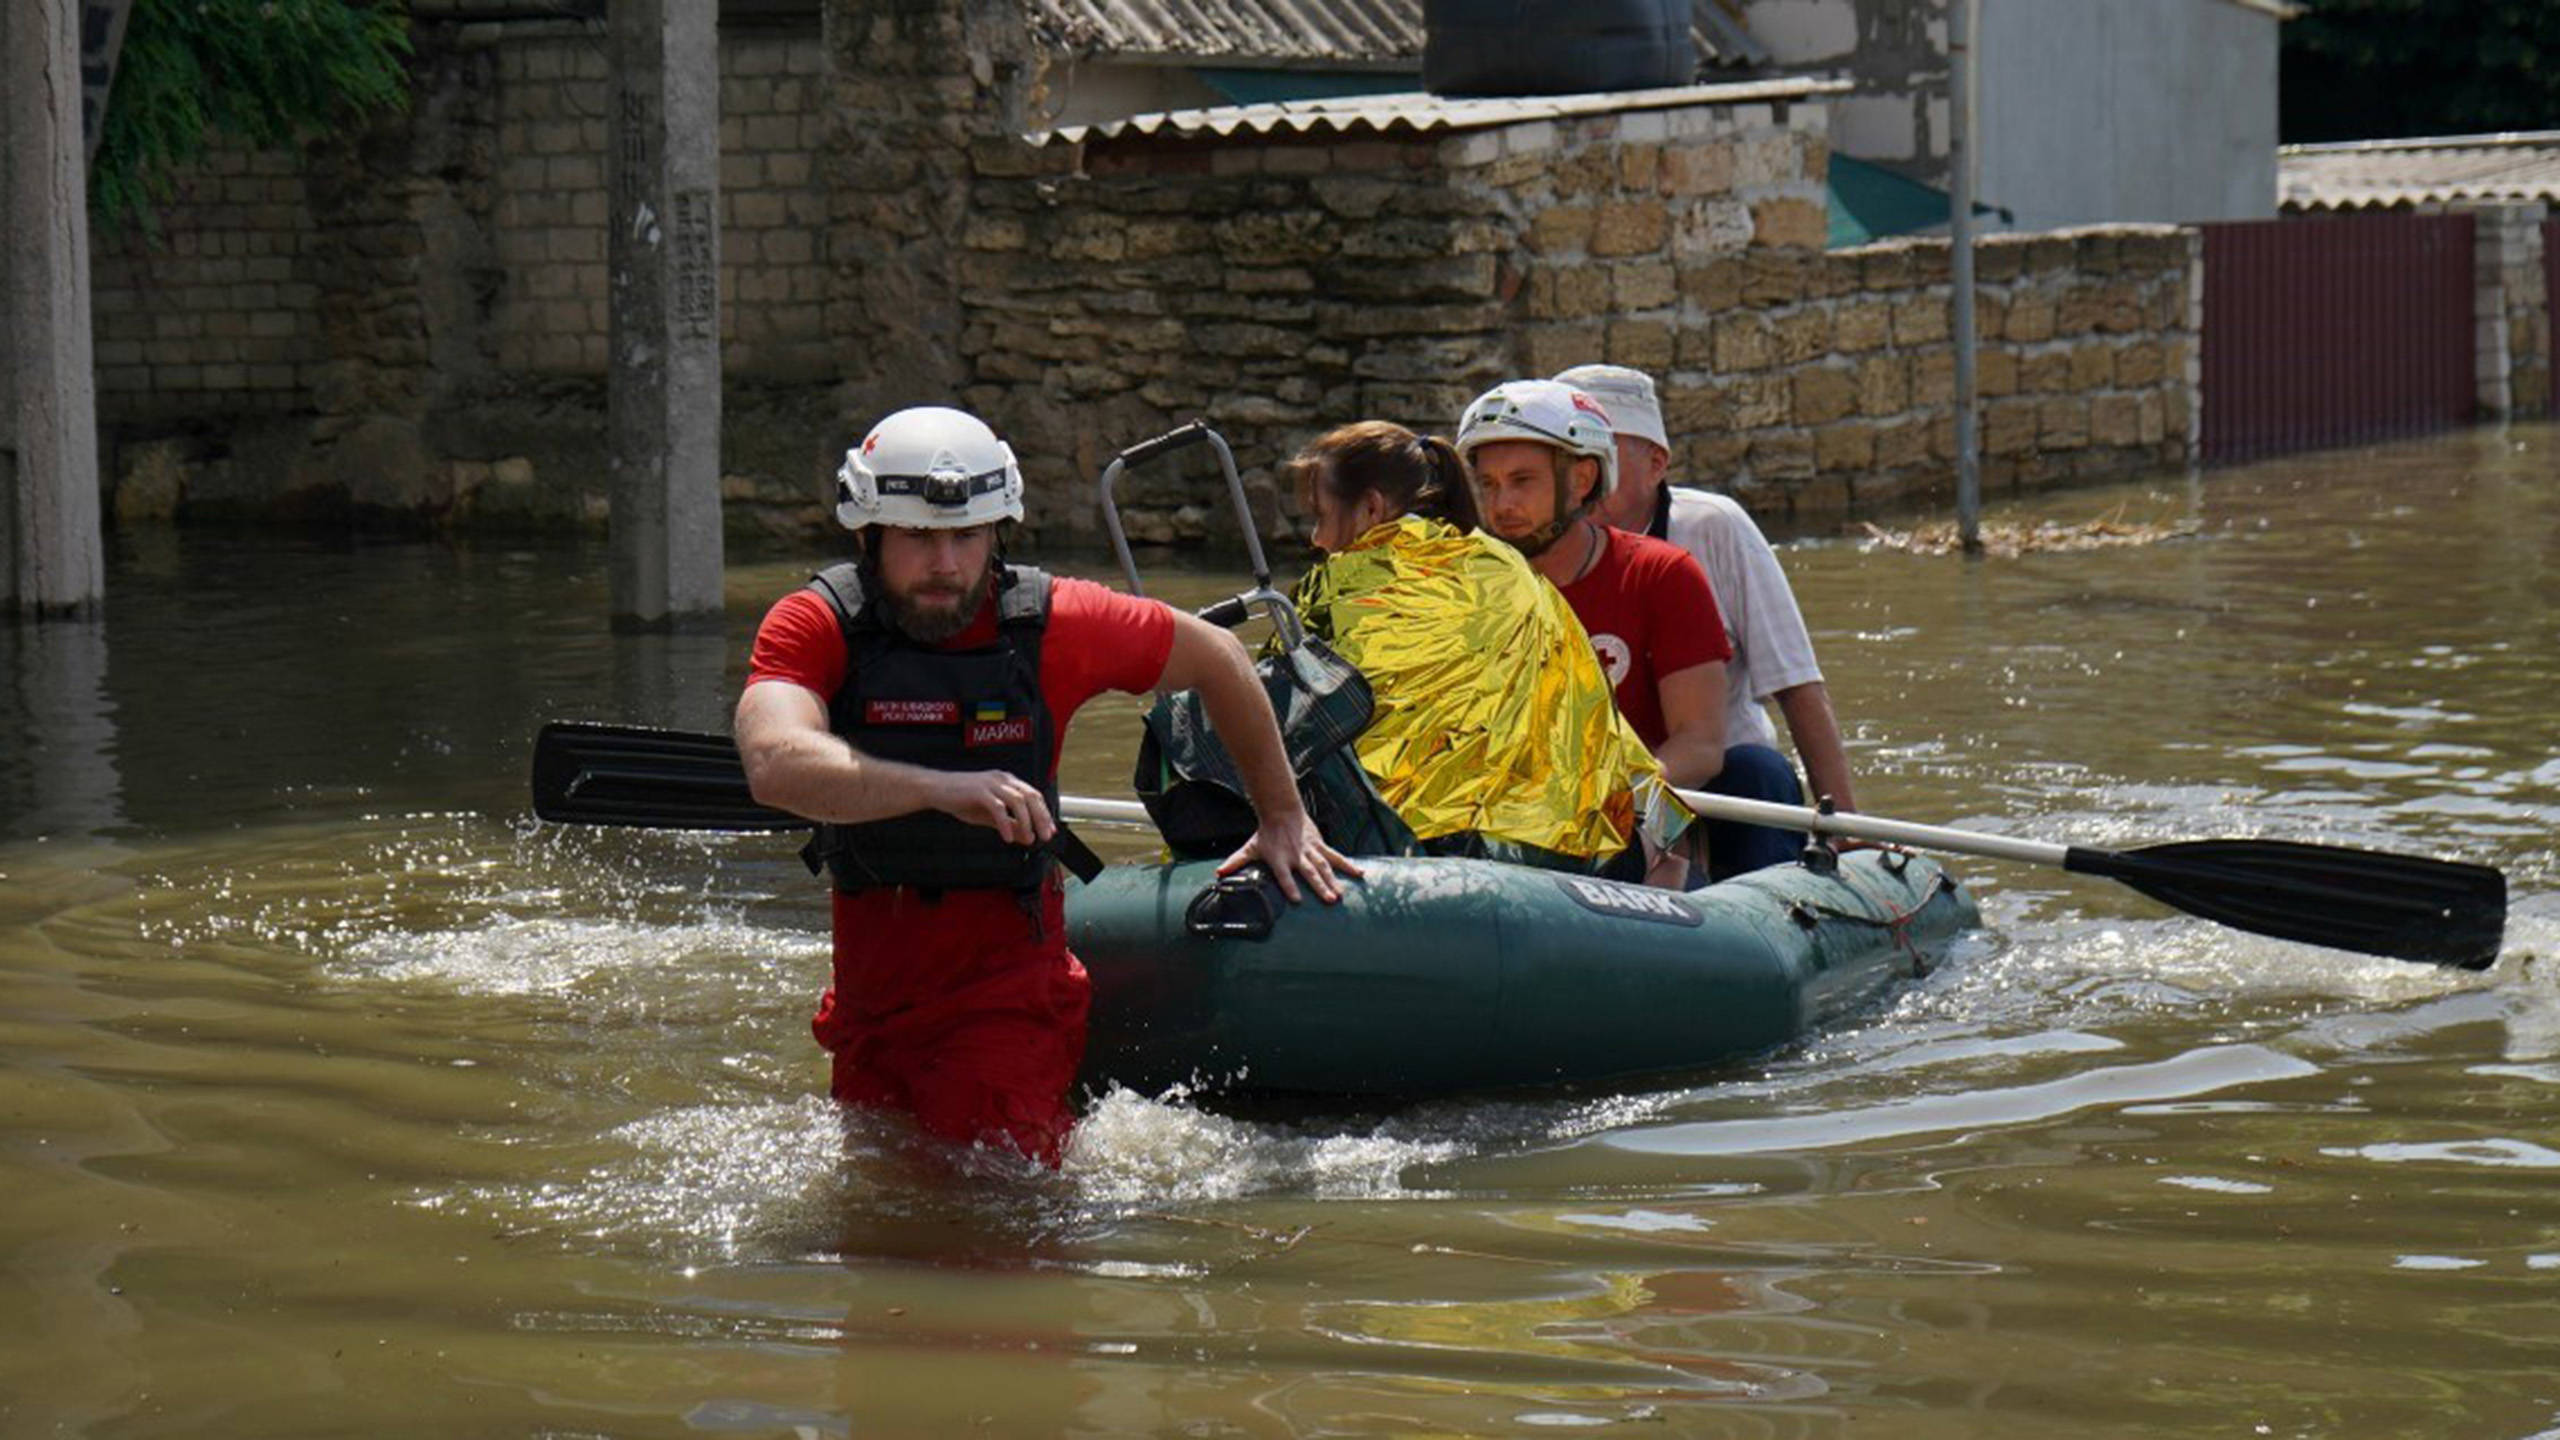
1493 715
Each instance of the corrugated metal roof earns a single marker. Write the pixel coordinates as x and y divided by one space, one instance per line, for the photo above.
2366 174
1298 32
1420 113
1268 31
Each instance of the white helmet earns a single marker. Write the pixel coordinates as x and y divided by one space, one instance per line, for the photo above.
1549 412
930 467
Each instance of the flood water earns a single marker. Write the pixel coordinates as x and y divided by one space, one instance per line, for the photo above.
337 1096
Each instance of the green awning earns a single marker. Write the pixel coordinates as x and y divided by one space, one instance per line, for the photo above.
1869 202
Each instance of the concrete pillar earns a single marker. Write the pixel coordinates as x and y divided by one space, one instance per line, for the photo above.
663 260
51 558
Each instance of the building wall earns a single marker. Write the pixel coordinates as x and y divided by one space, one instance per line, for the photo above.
1896 52
2092 111
2087 111
1083 92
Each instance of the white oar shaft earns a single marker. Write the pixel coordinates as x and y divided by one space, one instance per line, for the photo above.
1091 810
1087 810
1869 827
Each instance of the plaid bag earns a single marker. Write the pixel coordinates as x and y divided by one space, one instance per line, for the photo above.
1196 796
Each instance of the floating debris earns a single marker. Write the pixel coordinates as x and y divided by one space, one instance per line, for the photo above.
1940 537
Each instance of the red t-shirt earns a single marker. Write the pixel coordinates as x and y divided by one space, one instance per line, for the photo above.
898 954
1098 639
1649 612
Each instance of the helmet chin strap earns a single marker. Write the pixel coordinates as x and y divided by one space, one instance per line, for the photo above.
1537 542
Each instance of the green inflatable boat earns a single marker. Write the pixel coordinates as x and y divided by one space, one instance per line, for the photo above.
1441 976
1431 977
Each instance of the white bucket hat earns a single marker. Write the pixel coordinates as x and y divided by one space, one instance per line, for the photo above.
1627 395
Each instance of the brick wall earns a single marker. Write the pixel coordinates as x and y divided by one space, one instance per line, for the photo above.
220 312
550 207
224 314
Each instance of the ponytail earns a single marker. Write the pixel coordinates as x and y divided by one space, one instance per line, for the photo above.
1450 494
1415 474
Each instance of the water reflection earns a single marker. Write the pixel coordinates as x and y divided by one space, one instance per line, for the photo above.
675 681
60 723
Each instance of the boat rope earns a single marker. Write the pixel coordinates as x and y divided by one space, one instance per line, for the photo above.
1810 913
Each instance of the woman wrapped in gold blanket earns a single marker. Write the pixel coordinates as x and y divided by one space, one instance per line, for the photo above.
1495 733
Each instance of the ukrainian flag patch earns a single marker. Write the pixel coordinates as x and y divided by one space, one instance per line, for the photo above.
991 724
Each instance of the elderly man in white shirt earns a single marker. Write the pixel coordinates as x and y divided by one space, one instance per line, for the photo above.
1772 655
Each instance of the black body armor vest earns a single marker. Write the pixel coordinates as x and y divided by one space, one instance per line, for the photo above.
975 709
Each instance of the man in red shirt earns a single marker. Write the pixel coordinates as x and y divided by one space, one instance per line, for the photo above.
1542 456
914 701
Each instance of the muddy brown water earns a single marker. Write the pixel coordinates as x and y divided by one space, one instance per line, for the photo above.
338 1097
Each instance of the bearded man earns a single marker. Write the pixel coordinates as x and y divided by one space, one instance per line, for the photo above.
914 701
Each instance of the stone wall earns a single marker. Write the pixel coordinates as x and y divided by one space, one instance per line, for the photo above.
913 85
2513 314
1820 385
1283 284
1278 285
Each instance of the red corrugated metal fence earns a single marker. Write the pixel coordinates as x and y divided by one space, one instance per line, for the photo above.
2334 331
2551 306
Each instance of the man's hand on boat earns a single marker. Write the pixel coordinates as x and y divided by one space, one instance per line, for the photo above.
1211 661
1289 846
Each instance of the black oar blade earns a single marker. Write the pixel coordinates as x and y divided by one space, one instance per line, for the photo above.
590 774
2406 907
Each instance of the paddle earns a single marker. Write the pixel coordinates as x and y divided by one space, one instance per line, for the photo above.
585 773
2405 907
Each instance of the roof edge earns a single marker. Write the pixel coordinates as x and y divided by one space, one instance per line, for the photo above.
2425 142
2280 9
1421 112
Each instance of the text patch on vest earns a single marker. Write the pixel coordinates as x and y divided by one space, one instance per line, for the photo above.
998 730
911 712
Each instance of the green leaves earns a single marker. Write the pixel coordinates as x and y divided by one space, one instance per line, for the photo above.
266 72
2380 69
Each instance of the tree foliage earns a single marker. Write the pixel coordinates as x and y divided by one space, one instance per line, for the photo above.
267 72
2383 69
